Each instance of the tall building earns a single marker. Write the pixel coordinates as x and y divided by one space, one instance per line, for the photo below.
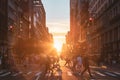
105 29
82 22
73 27
3 25
22 28
39 31
14 25
79 16
3 29
39 19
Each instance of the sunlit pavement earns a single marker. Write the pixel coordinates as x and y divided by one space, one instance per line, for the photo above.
66 72
99 73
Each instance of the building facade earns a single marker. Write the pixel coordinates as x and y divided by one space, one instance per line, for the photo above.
82 23
73 27
105 34
24 27
39 31
3 30
79 17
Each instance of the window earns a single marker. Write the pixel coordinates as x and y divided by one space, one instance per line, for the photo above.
36 2
119 32
116 34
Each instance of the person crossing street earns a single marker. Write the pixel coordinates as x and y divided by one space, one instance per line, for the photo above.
86 66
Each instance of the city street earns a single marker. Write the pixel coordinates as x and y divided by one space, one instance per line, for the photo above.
97 72
59 39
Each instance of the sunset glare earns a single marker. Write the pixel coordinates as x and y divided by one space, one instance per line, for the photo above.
58 44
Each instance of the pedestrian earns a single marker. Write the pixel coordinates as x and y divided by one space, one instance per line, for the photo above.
79 63
67 61
86 66
79 60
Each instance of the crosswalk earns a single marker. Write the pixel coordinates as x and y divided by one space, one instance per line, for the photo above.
106 74
99 74
5 73
15 74
96 73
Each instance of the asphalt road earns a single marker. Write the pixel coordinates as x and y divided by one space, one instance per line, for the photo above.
67 74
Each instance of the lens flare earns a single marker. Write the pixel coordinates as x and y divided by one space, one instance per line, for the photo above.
57 45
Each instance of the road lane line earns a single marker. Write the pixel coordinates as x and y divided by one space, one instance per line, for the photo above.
5 74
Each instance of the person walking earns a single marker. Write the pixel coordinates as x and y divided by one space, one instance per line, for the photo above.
86 66
67 61
79 63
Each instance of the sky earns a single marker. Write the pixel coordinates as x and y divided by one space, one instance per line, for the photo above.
57 17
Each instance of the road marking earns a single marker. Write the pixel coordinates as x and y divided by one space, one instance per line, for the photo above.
17 74
100 73
110 74
2 71
38 77
5 74
37 74
117 73
69 73
29 73
48 74
88 73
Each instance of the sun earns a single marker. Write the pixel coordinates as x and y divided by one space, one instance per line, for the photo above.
57 45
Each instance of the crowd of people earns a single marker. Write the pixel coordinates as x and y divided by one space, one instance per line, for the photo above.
79 63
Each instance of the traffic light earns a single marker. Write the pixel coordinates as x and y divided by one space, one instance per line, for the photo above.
10 28
90 21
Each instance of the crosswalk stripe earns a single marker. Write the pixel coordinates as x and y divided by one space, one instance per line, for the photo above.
5 74
38 77
117 73
2 71
99 73
29 73
88 73
38 73
110 74
17 74
69 73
